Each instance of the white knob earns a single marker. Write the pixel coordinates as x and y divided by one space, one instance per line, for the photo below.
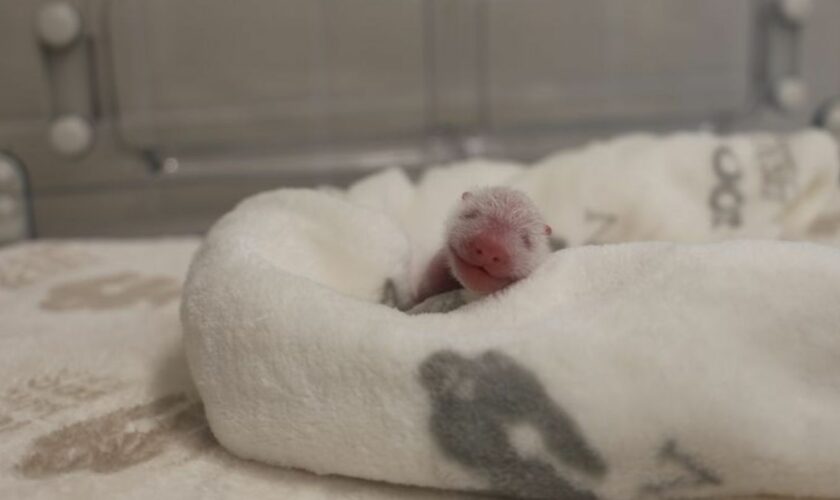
791 93
71 135
796 11
59 24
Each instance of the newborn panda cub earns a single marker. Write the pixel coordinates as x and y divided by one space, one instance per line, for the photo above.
494 237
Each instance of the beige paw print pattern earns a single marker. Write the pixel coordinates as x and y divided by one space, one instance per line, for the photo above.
826 225
120 439
44 395
112 291
39 262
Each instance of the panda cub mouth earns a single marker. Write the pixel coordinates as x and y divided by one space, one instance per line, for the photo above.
479 277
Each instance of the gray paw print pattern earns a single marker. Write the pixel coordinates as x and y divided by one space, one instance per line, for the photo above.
476 403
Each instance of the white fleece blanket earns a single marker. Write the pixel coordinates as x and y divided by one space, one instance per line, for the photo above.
95 396
638 370
96 401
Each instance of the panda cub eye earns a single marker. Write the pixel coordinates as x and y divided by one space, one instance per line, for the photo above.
526 240
472 214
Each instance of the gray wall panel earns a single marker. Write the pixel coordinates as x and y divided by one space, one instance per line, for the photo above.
561 61
199 73
196 103
24 93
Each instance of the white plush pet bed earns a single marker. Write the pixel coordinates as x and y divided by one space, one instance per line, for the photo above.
635 370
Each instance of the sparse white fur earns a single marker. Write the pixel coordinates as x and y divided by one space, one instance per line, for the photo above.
515 214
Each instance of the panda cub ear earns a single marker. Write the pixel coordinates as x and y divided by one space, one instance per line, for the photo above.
466 195
547 230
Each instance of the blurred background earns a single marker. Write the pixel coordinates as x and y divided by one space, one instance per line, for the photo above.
151 117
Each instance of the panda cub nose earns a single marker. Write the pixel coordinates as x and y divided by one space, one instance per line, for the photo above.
488 252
